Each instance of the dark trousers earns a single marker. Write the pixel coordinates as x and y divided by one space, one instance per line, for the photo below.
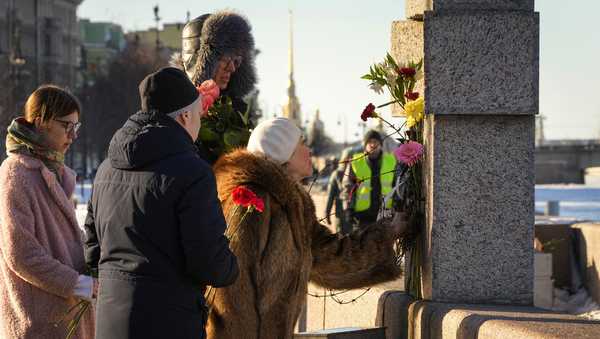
131 309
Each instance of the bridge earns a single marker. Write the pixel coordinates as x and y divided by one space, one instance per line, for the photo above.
565 161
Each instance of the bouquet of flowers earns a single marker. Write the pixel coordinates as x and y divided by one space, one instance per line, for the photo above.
223 128
400 80
72 317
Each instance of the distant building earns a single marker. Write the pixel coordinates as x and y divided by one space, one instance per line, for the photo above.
101 42
169 37
45 34
39 43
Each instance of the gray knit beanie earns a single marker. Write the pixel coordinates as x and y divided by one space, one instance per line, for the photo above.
276 138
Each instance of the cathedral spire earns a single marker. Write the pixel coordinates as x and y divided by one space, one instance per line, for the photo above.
291 109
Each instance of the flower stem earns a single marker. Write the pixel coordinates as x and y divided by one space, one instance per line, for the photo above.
392 126
391 102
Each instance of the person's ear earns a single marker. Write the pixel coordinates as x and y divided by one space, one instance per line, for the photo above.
180 118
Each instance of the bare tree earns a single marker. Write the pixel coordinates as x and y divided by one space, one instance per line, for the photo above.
111 98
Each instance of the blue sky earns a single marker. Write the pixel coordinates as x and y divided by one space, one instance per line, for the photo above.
335 41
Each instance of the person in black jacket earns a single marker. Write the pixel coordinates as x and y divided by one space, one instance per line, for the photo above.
155 228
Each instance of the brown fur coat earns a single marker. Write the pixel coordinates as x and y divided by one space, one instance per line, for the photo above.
281 249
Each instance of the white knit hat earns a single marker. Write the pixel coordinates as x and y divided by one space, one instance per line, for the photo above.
276 138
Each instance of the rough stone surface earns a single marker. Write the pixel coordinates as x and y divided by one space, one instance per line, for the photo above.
407 45
537 329
524 5
392 313
416 8
480 197
438 320
543 287
588 245
482 62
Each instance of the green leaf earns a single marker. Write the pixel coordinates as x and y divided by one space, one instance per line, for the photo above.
419 65
392 61
401 89
207 134
231 138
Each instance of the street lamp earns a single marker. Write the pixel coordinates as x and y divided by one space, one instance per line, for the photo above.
157 19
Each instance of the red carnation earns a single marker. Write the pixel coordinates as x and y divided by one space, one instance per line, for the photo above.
245 197
258 204
408 72
412 95
368 112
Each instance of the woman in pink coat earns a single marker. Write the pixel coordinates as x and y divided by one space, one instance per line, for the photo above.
41 252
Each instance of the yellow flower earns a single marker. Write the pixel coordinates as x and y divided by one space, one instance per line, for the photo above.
410 122
414 111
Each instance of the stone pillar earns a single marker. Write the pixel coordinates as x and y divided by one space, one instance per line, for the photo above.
481 97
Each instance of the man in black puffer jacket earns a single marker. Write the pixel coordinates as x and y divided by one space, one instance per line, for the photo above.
155 228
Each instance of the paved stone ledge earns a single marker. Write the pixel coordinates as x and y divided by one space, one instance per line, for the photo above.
431 320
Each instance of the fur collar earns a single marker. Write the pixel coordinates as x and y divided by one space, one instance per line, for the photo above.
241 167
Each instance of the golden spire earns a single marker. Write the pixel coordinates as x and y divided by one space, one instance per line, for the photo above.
291 109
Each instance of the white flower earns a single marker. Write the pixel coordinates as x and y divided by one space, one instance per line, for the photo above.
390 73
419 75
391 77
377 88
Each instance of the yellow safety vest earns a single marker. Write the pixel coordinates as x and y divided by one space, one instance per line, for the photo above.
362 171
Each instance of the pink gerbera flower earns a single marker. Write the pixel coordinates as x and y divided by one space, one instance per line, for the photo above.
409 153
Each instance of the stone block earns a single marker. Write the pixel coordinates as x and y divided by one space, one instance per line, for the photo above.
483 62
480 196
407 45
591 176
542 263
543 292
556 238
461 321
344 333
588 246
543 286
415 8
392 313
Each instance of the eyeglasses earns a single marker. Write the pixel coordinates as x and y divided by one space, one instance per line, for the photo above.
235 59
69 126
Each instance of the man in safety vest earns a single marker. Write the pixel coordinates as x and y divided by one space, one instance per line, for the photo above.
368 180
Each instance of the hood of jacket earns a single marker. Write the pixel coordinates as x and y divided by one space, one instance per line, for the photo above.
223 33
147 138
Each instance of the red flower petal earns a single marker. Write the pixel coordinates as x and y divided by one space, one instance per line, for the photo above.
242 196
412 95
408 71
259 204
368 112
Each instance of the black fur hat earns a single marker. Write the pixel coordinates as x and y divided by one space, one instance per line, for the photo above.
209 37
